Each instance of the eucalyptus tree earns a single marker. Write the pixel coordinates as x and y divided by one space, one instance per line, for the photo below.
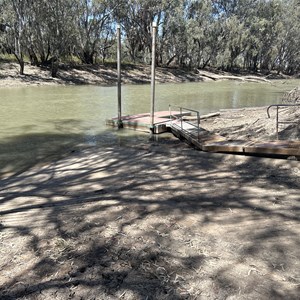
3 26
136 18
289 40
51 33
203 31
14 15
172 33
253 34
40 29
60 31
234 43
270 28
93 27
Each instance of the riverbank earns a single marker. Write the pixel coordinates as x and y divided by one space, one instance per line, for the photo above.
133 223
90 74
107 75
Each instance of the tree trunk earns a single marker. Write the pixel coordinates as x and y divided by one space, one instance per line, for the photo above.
54 67
21 67
21 62
33 57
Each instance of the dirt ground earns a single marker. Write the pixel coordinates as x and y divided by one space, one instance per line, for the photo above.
151 222
90 74
254 123
106 74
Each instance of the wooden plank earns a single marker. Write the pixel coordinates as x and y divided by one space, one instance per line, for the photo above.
225 146
289 148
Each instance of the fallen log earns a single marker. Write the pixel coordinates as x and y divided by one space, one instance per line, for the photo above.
203 117
211 115
216 77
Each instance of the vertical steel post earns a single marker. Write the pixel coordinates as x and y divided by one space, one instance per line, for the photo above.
154 27
277 120
120 125
198 125
181 117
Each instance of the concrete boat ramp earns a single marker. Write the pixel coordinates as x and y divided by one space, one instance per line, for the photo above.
185 125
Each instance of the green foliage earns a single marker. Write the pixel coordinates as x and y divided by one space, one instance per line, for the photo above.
231 34
7 57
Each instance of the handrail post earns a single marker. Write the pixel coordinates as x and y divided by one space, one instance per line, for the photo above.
120 124
154 31
181 117
198 125
268 113
277 114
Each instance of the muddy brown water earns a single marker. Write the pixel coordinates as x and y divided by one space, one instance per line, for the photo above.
39 124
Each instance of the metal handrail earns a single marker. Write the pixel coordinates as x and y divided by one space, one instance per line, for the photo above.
180 118
277 115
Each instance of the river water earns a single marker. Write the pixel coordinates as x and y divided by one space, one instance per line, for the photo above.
39 124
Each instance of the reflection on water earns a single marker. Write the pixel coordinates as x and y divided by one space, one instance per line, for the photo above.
39 124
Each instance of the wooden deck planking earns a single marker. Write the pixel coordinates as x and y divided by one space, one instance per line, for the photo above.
289 148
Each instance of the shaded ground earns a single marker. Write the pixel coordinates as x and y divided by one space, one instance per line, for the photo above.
151 223
90 74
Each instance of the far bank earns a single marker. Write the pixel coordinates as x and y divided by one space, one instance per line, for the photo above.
107 75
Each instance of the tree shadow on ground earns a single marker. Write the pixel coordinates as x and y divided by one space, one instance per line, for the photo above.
114 222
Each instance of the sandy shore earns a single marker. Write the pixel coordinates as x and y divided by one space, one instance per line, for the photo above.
120 223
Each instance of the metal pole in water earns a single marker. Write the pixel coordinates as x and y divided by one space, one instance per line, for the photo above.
120 125
277 126
154 28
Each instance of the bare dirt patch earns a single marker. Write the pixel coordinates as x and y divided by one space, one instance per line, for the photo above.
156 223
254 123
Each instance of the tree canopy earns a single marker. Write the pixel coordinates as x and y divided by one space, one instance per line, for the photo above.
231 35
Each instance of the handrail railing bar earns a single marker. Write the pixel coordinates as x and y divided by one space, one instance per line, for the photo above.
281 105
277 114
180 119
189 109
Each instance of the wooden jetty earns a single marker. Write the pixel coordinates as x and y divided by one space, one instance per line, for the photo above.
208 142
186 127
